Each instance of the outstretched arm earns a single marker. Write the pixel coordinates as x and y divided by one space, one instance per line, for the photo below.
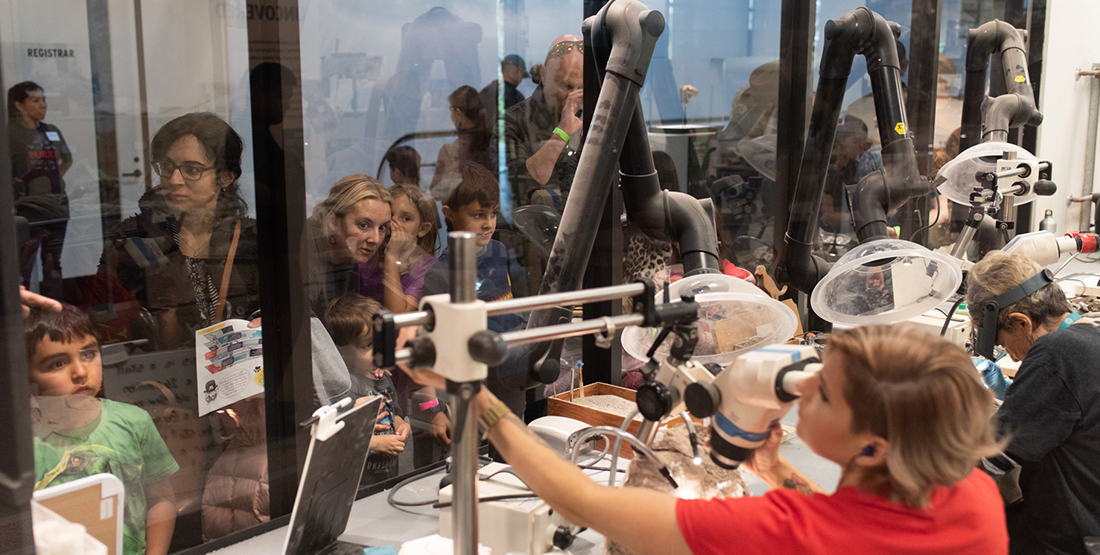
643 521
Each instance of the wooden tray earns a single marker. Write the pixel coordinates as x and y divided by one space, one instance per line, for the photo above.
560 405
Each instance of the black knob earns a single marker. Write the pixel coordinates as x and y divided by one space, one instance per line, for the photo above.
654 401
702 399
547 371
487 347
423 352
562 538
1045 188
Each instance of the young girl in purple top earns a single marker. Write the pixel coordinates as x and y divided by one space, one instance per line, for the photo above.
395 277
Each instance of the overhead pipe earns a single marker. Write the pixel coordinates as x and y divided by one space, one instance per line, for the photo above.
1016 107
859 32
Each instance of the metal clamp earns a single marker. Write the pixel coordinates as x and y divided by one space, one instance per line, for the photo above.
603 339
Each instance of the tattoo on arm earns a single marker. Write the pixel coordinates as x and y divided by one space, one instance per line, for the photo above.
797 484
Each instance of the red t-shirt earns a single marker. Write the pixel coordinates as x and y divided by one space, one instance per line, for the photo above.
966 519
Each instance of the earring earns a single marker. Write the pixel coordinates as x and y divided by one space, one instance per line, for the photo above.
331 240
868 451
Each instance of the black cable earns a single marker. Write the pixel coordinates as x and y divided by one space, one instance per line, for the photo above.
404 483
401 485
939 209
603 468
950 313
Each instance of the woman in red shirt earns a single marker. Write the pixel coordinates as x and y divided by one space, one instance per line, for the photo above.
904 414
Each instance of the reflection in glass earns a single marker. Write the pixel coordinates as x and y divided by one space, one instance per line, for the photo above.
78 435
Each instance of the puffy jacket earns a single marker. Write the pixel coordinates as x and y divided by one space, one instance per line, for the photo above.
236 496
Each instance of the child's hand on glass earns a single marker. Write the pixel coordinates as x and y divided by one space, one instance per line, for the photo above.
34 300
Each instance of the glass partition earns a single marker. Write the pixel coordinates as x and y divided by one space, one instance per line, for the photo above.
193 179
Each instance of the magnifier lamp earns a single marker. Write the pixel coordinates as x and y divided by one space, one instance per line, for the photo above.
734 317
956 179
885 282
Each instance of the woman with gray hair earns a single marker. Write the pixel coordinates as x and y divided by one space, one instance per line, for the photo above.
1051 413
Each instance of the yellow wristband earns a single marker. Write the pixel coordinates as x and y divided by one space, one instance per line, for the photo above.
564 136
493 414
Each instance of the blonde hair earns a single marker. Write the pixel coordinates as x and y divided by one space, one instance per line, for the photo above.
999 272
922 395
344 194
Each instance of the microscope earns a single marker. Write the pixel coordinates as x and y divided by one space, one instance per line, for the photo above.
749 397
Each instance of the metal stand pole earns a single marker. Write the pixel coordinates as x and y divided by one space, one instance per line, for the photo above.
1090 146
464 466
463 280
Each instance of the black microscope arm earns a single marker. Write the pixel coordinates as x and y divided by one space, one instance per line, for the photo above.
1016 107
621 39
860 31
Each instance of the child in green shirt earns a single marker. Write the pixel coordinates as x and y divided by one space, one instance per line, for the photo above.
77 435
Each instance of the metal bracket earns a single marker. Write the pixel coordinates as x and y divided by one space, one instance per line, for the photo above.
604 338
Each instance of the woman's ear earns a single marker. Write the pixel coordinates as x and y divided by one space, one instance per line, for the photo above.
425 227
1020 321
874 452
225 179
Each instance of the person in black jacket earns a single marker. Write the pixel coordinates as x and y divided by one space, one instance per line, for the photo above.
189 256
1050 414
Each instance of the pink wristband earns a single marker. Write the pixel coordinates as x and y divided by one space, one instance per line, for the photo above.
426 405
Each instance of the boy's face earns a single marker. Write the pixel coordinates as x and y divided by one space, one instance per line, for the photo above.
67 368
475 218
358 356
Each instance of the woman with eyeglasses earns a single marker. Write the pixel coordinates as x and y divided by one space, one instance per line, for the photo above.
189 255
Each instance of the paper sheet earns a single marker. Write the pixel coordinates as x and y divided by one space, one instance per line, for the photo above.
230 364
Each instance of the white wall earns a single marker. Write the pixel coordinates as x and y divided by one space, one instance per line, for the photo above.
1071 43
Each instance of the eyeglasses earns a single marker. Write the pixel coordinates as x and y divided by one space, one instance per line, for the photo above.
190 171
565 47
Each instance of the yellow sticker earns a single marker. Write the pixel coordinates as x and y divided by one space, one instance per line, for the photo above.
1021 79
900 128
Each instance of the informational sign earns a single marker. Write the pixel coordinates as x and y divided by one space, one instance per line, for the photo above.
123 377
229 364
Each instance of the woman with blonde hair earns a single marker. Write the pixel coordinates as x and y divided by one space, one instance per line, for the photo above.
905 416
395 278
346 229
1051 410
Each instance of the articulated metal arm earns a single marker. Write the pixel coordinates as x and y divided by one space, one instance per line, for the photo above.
860 31
621 38
1016 107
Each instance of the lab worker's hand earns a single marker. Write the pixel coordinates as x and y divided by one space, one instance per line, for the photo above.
765 462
